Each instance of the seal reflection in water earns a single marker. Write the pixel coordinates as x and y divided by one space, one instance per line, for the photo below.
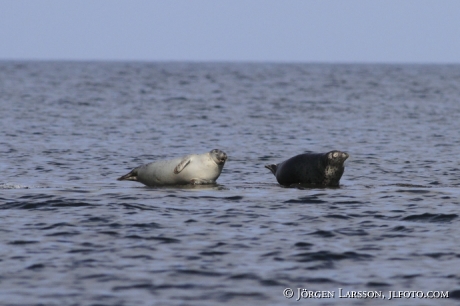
318 169
193 169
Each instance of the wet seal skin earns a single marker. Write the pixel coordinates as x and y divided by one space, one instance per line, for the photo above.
311 169
195 169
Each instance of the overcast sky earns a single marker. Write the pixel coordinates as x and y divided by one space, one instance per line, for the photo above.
393 31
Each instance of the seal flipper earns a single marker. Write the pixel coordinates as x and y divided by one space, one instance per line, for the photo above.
181 166
272 168
132 176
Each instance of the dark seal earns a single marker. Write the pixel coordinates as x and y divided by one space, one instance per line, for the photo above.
318 169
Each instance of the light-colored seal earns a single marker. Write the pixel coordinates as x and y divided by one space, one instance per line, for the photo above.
193 169
318 169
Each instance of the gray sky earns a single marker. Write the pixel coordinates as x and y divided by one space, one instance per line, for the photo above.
394 31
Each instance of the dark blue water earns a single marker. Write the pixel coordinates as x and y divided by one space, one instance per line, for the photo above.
70 234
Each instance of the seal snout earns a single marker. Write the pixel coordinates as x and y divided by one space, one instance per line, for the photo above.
222 157
219 156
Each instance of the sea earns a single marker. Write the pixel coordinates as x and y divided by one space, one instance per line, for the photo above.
71 234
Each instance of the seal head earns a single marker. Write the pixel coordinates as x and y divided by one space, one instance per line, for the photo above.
218 156
317 169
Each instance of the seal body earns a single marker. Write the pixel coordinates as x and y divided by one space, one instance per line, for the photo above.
191 169
319 169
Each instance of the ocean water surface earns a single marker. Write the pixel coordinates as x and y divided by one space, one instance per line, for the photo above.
71 234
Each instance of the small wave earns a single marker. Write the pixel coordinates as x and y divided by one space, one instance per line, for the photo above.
352 232
199 272
455 294
178 99
427 217
13 186
66 234
58 225
43 204
349 202
240 298
440 254
250 276
320 280
135 286
303 245
21 242
409 185
377 284
335 216
137 206
35 266
417 191
150 225
329 256
401 228
306 200
213 253
324 234
161 239
271 282
22 186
